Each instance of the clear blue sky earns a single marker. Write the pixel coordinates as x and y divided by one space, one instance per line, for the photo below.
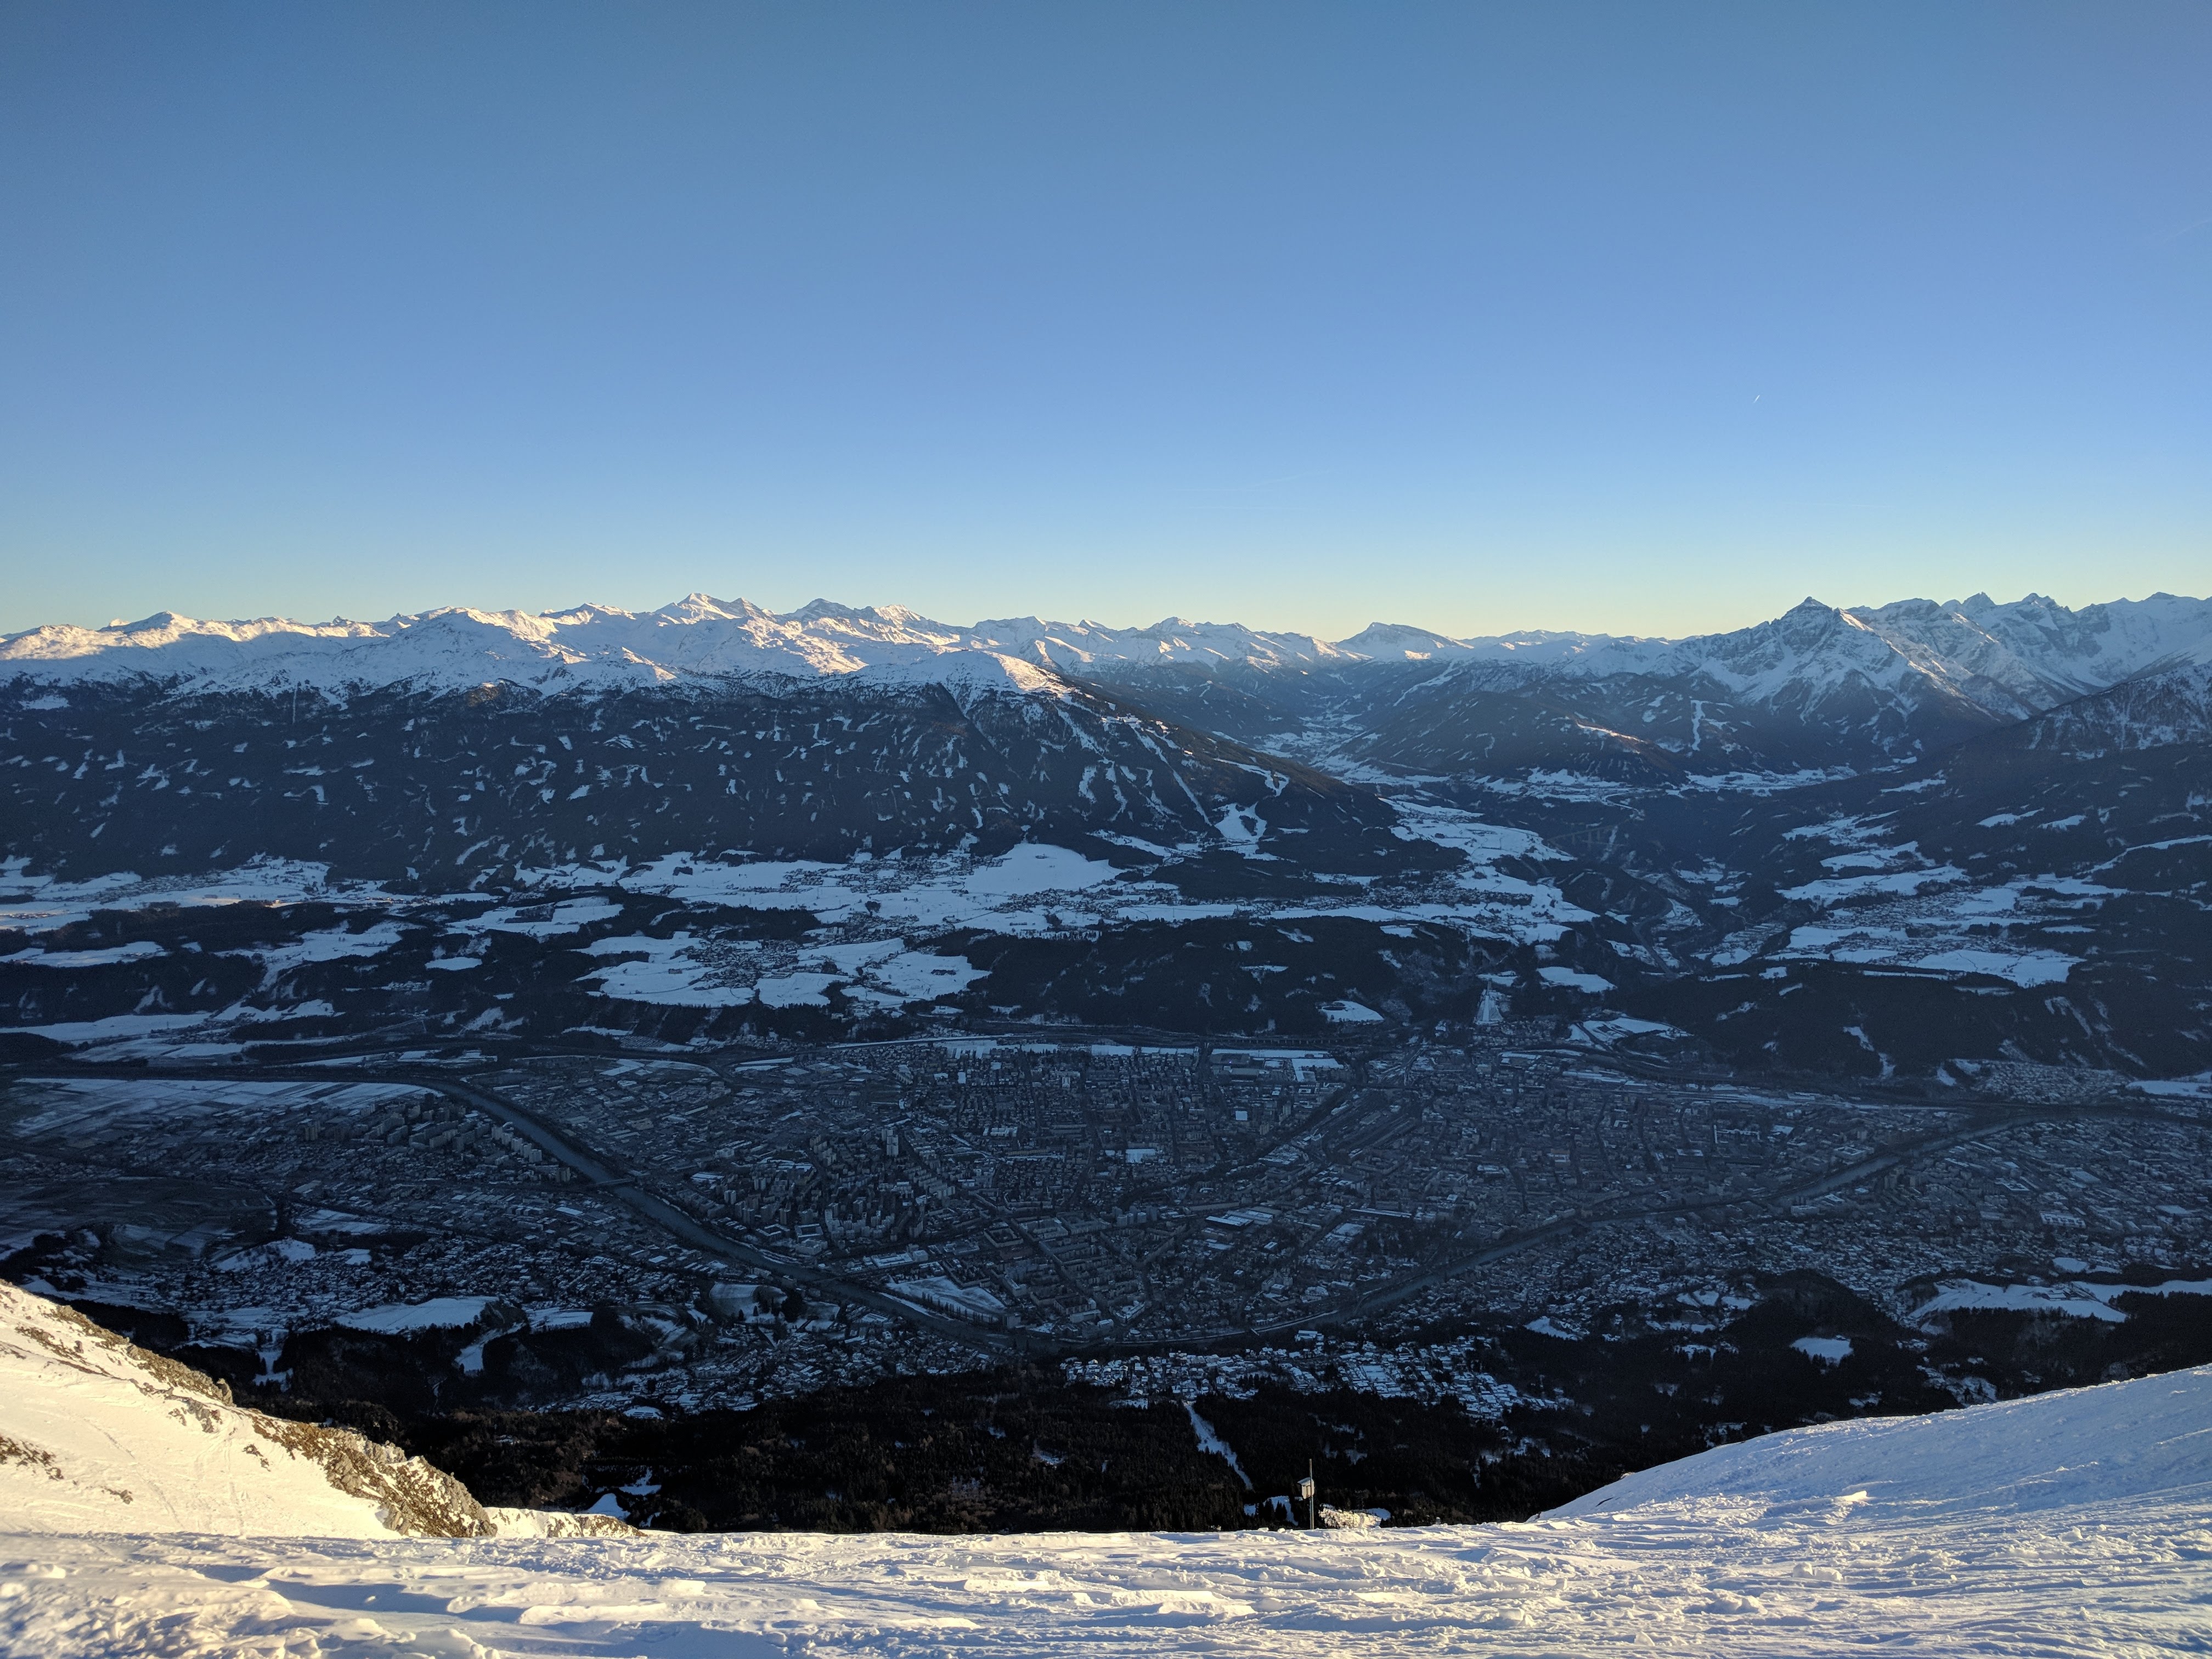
1643 317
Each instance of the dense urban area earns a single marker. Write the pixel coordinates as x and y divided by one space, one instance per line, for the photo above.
765 1226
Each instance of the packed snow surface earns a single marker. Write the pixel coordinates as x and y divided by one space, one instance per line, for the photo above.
2074 1523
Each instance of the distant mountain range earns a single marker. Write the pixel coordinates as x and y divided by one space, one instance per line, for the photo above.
1816 688
2008 798
2008 660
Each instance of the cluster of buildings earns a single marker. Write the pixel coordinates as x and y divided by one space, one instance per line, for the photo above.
1152 1216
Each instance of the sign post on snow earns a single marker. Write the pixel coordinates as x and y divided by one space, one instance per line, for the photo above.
1306 1492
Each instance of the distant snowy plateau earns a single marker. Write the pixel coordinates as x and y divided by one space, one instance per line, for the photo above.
1911 842
143 1513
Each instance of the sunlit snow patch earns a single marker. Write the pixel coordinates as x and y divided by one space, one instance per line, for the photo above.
79 1031
40 904
440 1313
1896 884
329 945
1347 1012
918 976
1483 843
542 920
1959 931
2027 969
1589 984
1040 889
2078 1299
136 950
795 990
680 972
1826 1350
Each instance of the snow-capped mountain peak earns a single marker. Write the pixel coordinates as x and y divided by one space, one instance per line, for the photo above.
1399 642
2007 661
589 647
2036 653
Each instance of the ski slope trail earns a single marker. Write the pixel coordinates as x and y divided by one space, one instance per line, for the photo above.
2069 1525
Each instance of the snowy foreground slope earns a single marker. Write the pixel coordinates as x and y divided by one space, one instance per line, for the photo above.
97 1436
2074 1523
2116 1444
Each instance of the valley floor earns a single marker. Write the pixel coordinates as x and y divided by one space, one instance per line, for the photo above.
1713 1575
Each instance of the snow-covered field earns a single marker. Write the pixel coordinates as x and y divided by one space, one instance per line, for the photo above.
887 910
1818 1574
2074 1523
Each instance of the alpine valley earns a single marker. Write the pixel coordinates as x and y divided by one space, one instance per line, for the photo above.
837 1069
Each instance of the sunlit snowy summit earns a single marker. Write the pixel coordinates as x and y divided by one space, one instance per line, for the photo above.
2013 658
145 1514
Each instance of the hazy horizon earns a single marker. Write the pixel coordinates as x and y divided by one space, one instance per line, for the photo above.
1160 620
1594 316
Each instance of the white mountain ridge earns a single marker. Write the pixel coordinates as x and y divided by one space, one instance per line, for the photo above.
2011 660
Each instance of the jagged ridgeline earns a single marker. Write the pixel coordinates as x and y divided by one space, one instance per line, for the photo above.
450 788
1872 842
